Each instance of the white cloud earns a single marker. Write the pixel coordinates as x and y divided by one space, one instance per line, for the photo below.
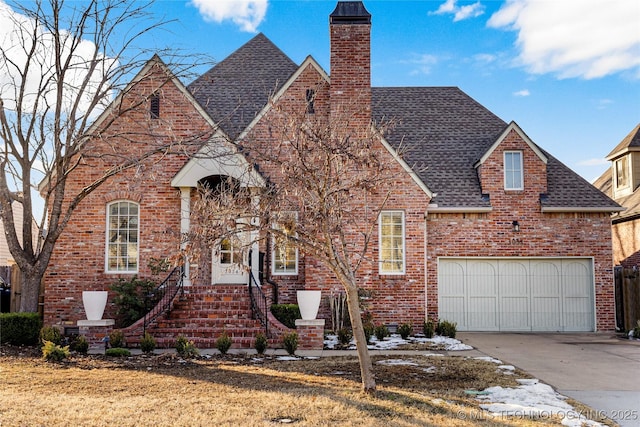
602 104
460 13
17 37
523 92
574 38
423 63
247 14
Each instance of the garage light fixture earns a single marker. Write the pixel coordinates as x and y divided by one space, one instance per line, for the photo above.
516 226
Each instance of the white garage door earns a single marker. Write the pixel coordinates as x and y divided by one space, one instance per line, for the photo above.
520 294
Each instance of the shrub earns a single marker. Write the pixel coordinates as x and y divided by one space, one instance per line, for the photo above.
133 299
148 343
51 334
290 342
381 331
52 352
186 348
261 343
20 328
118 352
446 328
368 331
79 344
344 336
286 314
223 343
428 328
405 330
116 339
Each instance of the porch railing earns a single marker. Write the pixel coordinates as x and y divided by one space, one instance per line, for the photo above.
259 306
164 295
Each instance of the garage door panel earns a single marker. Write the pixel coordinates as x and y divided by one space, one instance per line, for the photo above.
483 313
520 294
545 314
514 295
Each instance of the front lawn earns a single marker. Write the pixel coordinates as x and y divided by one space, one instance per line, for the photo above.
239 390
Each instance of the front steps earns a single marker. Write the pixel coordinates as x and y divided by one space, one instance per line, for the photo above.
204 312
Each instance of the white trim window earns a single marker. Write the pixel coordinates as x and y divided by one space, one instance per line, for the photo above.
391 242
284 255
123 232
513 170
622 172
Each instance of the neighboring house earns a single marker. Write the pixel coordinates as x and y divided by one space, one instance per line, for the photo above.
5 256
621 182
494 233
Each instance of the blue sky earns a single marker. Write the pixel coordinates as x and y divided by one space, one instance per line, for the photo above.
568 72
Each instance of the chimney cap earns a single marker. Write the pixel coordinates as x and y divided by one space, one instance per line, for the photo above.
350 12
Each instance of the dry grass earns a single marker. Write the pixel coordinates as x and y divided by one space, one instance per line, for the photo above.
162 390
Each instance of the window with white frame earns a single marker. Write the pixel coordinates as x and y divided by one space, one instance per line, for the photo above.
622 172
285 253
513 171
122 237
392 244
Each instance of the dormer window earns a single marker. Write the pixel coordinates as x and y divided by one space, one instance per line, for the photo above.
513 170
621 172
154 106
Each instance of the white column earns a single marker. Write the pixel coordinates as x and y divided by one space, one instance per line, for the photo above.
185 226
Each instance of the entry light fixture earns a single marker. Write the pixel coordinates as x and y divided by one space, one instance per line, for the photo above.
516 226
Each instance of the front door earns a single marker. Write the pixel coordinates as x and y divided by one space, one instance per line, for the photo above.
230 261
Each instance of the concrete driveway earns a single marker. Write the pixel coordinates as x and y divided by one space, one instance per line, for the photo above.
598 369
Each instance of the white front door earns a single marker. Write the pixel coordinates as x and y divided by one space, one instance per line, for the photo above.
230 263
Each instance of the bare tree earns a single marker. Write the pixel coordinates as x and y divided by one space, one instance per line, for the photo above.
61 65
325 188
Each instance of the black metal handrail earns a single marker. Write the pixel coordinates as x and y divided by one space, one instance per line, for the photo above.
164 295
259 306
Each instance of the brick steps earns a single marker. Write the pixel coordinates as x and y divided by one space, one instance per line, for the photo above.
203 313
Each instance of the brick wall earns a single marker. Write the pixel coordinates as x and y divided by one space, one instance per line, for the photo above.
78 262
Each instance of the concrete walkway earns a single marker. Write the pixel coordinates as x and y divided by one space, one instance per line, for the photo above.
600 370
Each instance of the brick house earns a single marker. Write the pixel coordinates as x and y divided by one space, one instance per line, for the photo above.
621 182
495 233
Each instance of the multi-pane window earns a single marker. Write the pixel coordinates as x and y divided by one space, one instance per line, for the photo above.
513 176
285 254
230 252
392 247
122 236
622 172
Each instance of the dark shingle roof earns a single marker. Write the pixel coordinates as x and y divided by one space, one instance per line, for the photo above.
630 141
236 89
443 132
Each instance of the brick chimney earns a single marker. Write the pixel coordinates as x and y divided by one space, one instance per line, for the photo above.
350 93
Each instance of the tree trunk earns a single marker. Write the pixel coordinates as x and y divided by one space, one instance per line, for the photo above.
366 367
30 292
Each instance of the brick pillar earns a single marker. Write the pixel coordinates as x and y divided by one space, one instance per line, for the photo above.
310 334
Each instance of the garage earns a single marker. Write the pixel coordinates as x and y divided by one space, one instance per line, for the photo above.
517 294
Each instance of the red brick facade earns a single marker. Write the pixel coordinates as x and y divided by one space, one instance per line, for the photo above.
78 262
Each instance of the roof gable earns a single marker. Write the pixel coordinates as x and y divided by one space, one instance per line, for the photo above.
631 142
513 126
236 89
